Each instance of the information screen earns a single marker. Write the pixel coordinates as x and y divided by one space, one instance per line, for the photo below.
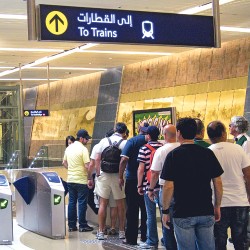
65 23
3 181
52 177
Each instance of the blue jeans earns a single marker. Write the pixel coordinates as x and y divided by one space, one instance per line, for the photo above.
195 230
152 234
236 218
168 234
77 193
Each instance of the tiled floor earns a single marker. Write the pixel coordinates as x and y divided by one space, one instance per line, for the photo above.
25 240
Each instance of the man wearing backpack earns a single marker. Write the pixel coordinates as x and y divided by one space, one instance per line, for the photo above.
145 158
108 159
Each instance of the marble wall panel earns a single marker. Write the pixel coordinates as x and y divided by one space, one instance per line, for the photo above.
205 62
218 59
244 57
181 73
232 51
200 104
193 66
42 97
172 71
161 74
188 106
73 106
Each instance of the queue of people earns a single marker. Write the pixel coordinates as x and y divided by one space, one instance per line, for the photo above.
201 189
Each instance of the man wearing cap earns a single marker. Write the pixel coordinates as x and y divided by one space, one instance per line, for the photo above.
76 160
133 199
143 186
238 127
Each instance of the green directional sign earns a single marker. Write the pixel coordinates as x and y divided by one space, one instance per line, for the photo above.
3 203
57 199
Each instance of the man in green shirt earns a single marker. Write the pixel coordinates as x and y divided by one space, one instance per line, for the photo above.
200 134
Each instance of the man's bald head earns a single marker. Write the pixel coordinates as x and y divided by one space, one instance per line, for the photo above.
216 131
169 132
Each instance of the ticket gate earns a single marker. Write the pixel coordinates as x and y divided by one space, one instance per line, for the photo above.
6 235
40 203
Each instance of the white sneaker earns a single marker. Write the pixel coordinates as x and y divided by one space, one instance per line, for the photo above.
144 245
100 235
121 235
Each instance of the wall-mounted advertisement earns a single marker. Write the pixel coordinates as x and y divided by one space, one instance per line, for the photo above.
155 117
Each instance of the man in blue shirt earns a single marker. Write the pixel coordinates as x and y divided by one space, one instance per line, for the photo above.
133 199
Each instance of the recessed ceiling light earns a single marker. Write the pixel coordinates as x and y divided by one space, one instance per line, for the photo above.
48 58
203 7
28 79
31 49
122 52
235 29
10 16
69 68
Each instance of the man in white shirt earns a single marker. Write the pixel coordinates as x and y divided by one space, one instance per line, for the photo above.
109 182
236 187
161 153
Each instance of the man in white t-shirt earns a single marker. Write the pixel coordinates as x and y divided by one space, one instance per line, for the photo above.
161 153
236 187
109 182
112 203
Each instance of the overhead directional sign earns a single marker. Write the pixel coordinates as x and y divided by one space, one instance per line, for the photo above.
32 113
65 23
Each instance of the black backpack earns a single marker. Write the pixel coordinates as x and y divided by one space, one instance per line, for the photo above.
110 157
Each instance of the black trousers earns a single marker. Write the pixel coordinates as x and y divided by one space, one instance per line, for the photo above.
91 201
237 219
134 202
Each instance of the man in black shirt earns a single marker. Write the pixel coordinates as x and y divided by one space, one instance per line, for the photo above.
188 171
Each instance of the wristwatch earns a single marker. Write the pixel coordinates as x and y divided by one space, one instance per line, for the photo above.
150 189
165 211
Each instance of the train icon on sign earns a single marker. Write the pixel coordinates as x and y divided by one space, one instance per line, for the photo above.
148 29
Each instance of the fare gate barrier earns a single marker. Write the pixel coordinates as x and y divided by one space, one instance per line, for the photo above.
6 235
40 203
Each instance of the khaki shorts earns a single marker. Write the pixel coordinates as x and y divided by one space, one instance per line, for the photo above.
108 185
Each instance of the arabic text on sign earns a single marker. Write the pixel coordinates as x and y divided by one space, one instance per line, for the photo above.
90 18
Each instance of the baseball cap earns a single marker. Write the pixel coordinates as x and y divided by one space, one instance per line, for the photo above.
83 133
154 132
144 127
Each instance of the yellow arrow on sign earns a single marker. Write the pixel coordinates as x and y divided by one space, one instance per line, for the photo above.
56 22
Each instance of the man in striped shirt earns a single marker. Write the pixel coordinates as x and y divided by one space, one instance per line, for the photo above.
143 185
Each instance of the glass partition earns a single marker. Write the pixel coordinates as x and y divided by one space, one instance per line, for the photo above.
49 155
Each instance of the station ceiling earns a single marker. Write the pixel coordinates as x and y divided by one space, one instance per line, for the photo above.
16 50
